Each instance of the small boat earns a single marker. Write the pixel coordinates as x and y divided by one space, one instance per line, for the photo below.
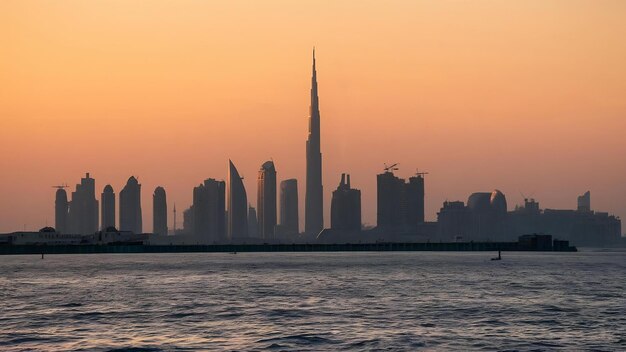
499 257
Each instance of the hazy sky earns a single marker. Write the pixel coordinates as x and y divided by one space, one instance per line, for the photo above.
524 96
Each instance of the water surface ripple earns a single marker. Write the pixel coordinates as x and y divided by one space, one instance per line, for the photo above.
314 301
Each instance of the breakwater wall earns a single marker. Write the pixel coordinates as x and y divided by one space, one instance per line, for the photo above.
312 247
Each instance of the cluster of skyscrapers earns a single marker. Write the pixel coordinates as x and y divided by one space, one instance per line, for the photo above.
80 214
221 211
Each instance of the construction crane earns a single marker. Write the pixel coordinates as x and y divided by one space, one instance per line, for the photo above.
418 173
391 168
61 186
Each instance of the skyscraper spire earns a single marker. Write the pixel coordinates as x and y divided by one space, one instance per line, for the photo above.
314 203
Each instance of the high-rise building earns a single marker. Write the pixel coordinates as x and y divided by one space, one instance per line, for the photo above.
159 212
400 204
83 211
345 208
200 212
108 208
188 220
237 204
415 200
61 208
289 207
130 207
209 210
253 224
266 200
314 200
216 191
584 202
389 200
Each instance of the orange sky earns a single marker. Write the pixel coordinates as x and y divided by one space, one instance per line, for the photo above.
524 96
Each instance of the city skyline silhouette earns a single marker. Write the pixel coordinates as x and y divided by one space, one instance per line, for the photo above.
523 119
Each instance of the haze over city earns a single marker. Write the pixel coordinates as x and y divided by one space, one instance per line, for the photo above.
524 97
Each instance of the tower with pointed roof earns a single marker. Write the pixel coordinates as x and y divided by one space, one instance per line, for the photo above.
314 202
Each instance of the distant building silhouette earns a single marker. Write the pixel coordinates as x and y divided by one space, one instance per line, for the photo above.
217 208
488 214
289 207
582 226
209 211
314 197
159 211
266 200
188 220
237 204
415 200
83 213
107 216
200 212
345 208
454 220
400 205
253 224
584 202
61 208
130 207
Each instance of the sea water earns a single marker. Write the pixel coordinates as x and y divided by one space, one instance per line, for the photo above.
314 301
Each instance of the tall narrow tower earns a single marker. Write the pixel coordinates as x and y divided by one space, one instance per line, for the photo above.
159 212
107 218
314 203
266 201
61 207
237 204
130 206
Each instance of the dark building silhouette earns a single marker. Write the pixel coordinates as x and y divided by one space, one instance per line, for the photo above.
200 212
237 204
584 202
209 210
345 208
454 220
253 224
389 201
582 227
217 208
130 207
188 220
289 207
488 213
107 216
266 200
485 218
83 210
159 211
314 200
400 204
415 200
61 208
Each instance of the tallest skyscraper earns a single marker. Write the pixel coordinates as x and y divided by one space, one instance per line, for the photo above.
314 203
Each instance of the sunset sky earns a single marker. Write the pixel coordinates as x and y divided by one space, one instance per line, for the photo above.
528 97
